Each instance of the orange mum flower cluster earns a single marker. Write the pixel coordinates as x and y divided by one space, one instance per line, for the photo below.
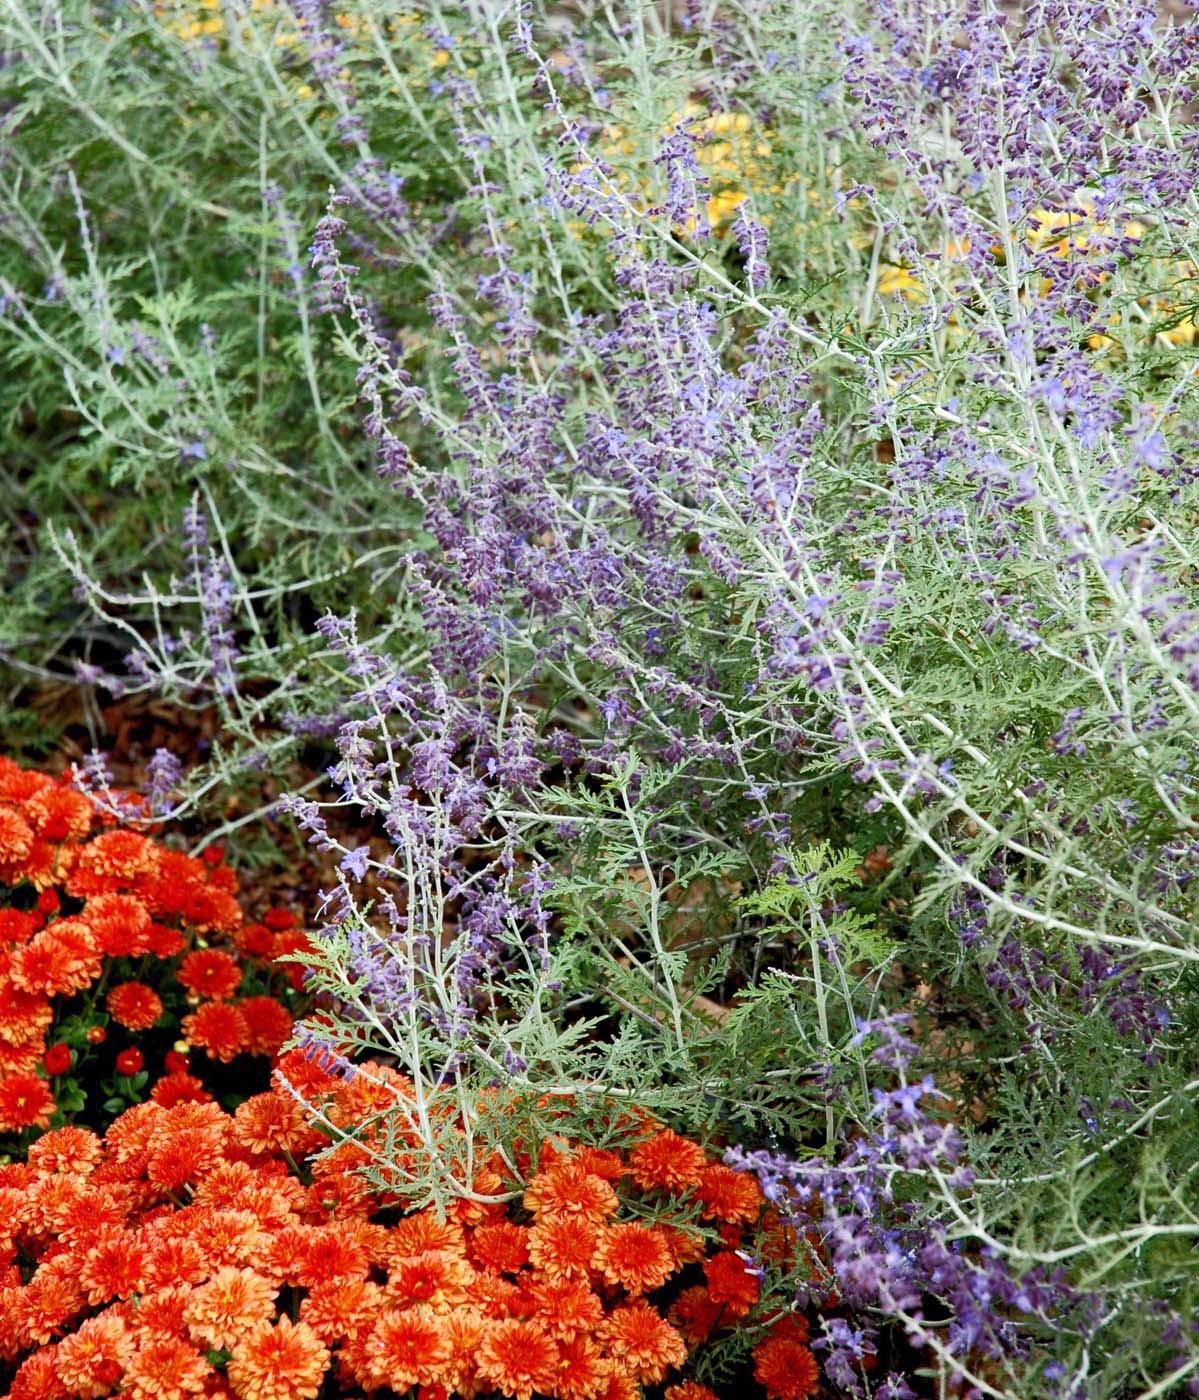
86 903
187 1255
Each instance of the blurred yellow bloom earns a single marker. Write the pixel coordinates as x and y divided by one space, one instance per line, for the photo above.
898 281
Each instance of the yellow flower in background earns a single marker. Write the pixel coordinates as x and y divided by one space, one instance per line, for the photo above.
896 281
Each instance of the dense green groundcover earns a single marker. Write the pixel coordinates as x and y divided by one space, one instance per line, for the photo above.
693 507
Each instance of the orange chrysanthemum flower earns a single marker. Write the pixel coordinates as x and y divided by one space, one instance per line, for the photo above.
785 1368
332 1252
569 1191
407 1348
274 1123
667 1161
495 1296
134 1005
113 1266
165 1368
438 1278
642 1343
620 1387
269 1022
582 1369
231 1304
16 837
57 962
635 1257
120 925
518 1358
23 1016
160 1313
59 813
734 1198
563 1248
37 1379
689 1390
218 1028
695 1314
174 1089
502 1245
114 860
565 1308
73 1150
731 1283
210 974
91 1360
231 1237
25 1102
46 1303
286 1361
422 1231
341 1308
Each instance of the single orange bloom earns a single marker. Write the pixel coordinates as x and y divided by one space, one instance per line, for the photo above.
210 974
731 1283
42 867
785 1368
635 1257
134 1005
563 1248
114 1265
734 1198
16 836
60 960
598 1162
286 1361
74 1150
642 1343
37 1379
518 1358
174 1260
463 1329
274 1123
174 1089
436 1277
160 1313
120 925
695 1314
792 1326
91 1360
218 1028
689 1390
341 1308
332 1251
46 1303
165 1368
60 813
270 1024
25 1102
183 1157
501 1245
494 1296
421 1231
667 1161
570 1192
231 1304
407 1348
620 1387
23 1015
582 1371
114 859
21 1059
564 1307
